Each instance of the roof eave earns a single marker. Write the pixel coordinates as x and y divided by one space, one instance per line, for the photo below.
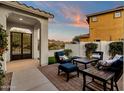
27 9
85 36
104 12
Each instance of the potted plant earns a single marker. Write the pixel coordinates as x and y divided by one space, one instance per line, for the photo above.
90 47
3 47
67 52
115 48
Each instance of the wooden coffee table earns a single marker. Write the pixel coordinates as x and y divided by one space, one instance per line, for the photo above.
101 75
85 61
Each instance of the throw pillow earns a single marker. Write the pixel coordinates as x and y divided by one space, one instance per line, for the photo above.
116 57
105 64
111 61
118 63
96 56
63 57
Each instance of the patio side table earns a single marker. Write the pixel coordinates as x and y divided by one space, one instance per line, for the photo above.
102 76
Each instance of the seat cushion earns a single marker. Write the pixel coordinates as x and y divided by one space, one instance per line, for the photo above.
64 57
68 67
115 61
118 63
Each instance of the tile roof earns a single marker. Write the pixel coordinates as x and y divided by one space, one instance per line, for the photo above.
106 11
85 36
27 8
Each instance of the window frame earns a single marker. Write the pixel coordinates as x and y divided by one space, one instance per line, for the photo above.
93 18
115 14
97 40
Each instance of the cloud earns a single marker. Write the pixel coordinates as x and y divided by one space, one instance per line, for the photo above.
74 15
66 14
79 22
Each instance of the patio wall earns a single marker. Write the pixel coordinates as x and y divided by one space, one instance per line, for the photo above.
79 49
51 52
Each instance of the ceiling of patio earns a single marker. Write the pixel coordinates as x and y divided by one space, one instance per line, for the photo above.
19 19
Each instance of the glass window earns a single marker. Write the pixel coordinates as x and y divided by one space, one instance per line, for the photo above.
118 14
94 19
97 40
16 43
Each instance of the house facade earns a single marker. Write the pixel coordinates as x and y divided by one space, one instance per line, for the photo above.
105 26
25 26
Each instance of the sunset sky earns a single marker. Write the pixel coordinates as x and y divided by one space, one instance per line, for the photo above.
70 16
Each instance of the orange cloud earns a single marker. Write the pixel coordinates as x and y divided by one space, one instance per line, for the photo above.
78 22
72 14
75 16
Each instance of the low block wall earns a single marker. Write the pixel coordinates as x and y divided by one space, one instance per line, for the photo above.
79 49
51 52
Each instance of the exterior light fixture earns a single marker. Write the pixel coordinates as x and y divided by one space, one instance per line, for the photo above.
20 19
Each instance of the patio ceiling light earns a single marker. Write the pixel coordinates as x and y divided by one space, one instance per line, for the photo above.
20 19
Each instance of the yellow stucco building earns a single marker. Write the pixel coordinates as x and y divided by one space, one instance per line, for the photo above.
105 26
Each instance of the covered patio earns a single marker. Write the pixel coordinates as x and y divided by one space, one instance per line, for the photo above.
27 30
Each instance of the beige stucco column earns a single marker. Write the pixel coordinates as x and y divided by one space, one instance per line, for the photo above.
3 21
44 42
35 52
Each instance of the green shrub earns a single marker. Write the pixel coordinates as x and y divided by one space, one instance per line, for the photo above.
67 52
115 48
90 47
51 60
3 47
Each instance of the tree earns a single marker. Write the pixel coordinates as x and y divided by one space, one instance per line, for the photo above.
55 45
76 39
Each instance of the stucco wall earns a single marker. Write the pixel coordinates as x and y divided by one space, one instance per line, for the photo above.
44 42
106 28
79 49
75 49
